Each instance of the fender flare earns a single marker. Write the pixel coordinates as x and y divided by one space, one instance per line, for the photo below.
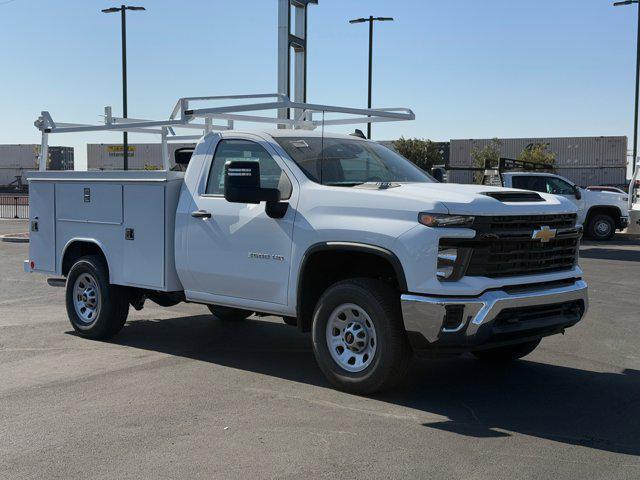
340 246
97 243
616 219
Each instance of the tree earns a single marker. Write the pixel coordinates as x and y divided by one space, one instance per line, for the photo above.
487 156
424 153
538 153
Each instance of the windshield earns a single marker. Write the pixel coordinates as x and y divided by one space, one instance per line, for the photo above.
346 162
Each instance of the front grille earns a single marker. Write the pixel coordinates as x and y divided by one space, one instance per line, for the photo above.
503 245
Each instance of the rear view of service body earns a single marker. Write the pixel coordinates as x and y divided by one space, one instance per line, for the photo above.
336 234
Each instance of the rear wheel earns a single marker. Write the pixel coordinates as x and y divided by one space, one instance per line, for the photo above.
601 227
228 313
508 352
96 309
358 336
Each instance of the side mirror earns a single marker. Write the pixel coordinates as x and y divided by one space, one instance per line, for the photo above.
242 183
182 156
438 174
577 192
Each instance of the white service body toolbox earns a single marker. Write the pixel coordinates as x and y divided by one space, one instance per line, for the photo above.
130 215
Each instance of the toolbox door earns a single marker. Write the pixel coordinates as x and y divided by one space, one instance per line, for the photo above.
42 226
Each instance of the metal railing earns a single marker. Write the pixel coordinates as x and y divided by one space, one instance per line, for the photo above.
14 206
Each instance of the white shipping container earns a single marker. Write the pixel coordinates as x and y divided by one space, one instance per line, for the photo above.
595 176
108 156
19 156
570 151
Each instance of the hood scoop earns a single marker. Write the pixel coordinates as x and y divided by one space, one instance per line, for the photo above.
508 197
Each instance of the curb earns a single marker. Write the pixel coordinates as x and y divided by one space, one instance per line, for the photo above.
15 238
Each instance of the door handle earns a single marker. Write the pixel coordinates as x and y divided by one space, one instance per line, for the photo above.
201 214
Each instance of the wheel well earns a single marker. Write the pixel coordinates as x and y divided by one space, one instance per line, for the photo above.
613 212
323 267
79 249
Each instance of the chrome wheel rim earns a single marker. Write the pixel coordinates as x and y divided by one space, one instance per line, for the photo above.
86 298
603 228
351 337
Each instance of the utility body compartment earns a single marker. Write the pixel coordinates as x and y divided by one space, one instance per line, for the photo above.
129 215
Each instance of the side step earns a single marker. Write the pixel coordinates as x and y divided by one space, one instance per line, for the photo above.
56 282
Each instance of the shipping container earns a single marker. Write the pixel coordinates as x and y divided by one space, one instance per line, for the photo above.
142 156
15 160
570 152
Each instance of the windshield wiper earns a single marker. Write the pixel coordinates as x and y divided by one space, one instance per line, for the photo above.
343 184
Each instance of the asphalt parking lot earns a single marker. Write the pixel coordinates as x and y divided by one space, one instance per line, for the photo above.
179 394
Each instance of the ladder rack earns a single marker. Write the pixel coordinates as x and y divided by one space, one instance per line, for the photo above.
184 116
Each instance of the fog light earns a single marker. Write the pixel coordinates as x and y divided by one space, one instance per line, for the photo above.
447 259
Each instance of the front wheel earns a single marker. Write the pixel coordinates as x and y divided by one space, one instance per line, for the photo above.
508 352
601 227
358 336
96 309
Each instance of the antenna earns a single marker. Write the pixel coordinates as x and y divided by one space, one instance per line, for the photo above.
322 149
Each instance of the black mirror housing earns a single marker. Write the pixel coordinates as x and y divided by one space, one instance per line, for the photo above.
242 183
577 192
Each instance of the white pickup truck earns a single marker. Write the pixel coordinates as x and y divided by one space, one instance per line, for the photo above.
335 234
601 213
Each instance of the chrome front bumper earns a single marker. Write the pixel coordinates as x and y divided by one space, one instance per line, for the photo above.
426 321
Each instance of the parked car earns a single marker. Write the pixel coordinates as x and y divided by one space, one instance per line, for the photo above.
601 213
336 234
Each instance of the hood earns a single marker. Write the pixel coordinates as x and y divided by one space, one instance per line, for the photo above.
604 198
462 199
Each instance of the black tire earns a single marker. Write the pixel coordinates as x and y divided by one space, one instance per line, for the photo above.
601 227
228 313
392 355
508 352
112 304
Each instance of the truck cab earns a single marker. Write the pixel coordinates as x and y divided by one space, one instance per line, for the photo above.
601 213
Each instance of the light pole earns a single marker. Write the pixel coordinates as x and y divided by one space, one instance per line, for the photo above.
370 20
635 118
125 136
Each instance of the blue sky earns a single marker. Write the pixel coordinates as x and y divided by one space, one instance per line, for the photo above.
468 68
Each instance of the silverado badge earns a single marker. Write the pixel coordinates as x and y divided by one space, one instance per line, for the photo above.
544 234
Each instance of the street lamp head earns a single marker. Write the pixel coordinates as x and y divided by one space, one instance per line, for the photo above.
119 9
625 2
371 19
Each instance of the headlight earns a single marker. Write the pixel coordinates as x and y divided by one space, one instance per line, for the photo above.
443 220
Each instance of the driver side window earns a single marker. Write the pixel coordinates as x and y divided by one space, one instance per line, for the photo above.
271 175
558 187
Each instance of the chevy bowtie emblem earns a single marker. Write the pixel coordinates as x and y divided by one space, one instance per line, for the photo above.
544 234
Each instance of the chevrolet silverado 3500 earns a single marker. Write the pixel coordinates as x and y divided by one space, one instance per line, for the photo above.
334 233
